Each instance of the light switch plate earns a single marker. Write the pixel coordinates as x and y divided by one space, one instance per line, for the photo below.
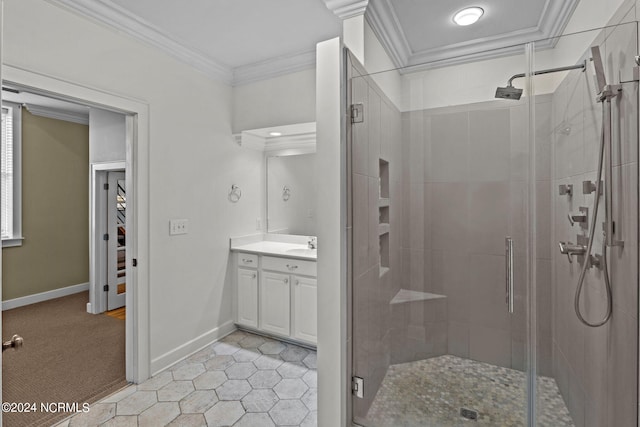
178 226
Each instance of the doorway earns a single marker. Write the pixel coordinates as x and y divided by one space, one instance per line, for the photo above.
136 166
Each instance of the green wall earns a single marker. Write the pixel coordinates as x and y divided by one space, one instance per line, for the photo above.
55 209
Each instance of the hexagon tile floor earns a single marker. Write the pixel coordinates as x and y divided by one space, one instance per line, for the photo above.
243 380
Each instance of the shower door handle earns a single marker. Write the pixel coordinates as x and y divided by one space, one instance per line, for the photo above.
508 245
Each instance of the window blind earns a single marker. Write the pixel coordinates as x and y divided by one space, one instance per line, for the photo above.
6 186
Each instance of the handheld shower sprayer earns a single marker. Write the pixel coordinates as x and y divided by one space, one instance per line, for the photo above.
604 96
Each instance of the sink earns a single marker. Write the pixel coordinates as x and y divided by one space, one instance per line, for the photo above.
302 252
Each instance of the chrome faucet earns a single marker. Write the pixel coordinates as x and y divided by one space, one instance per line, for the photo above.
568 249
313 242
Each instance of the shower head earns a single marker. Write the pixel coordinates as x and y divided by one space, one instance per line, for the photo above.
508 92
511 92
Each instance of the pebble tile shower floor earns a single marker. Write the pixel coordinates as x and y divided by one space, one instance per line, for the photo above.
431 392
243 380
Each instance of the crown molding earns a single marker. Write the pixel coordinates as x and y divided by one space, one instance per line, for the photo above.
56 114
384 22
114 16
109 13
345 9
555 17
274 67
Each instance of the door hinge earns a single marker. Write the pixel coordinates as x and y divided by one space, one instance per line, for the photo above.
357 113
357 387
106 186
134 261
105 288
105 237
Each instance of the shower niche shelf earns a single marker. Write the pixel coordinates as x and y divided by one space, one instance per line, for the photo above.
383 216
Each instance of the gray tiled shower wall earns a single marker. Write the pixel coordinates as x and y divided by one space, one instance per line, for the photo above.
596 368
465 171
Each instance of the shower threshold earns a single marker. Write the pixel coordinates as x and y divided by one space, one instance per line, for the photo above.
434 392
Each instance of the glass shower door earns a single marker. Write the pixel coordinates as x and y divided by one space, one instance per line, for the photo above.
438 180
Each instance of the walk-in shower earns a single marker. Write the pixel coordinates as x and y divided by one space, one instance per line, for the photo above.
440 173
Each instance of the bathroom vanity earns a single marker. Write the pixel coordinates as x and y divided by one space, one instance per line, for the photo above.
276 288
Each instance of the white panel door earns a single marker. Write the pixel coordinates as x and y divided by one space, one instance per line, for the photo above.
247 297
305 308
275 303
116 244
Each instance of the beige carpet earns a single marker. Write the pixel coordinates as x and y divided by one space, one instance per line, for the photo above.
68 356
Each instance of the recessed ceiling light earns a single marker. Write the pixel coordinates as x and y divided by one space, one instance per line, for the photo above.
275 133
468 16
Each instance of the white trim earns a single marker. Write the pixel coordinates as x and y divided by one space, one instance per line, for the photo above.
385 24
185 350
109 13
137 166
44 296
304 141
345 9
113 15
97 297
56 114
274 67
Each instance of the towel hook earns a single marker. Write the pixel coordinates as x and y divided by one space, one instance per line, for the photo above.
234 194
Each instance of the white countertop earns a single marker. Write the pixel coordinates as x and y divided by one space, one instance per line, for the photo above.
282 249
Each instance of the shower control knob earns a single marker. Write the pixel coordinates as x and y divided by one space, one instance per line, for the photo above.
589 187
565 189
581 218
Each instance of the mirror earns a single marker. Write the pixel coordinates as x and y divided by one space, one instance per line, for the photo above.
291 194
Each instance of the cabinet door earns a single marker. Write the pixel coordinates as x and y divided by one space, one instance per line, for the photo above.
274 303
247 297
305 308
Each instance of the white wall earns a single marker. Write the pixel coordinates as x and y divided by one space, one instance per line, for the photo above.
377 60
107 136
193 162
331 160
282 100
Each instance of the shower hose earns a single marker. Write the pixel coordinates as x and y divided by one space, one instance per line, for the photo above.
592 231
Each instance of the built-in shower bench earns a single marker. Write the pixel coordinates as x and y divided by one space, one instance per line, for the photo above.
406 295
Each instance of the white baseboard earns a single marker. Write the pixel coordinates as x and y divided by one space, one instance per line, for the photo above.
187 349
44 296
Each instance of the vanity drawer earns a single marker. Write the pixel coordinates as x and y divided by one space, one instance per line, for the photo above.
288 265
247 260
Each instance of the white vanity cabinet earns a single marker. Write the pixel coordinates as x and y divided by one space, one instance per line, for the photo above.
247 290
277 295
305 308
275 303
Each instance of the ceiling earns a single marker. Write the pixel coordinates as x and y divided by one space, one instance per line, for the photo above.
422 32
240 41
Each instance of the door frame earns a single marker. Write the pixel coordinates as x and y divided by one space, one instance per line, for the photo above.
137 347
97 227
